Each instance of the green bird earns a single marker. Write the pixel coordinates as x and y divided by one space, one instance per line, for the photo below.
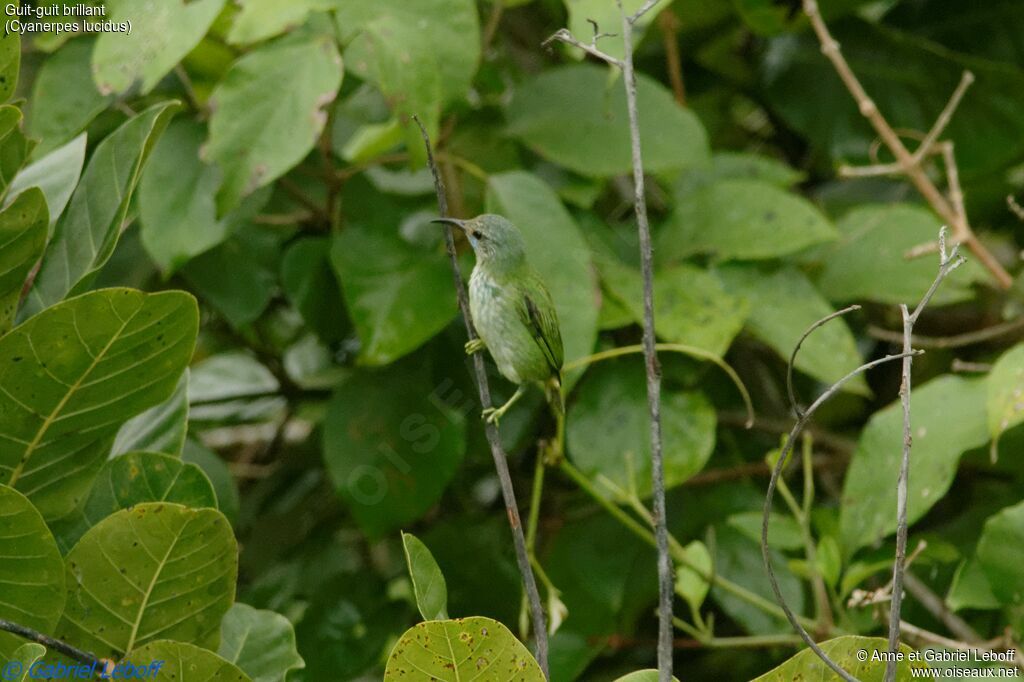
512 311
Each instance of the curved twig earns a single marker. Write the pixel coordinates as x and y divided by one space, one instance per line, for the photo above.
508 493
773 482
792 358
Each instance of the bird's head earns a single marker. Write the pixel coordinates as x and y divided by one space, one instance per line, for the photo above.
494 239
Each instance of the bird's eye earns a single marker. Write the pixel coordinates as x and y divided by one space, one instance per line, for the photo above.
477 234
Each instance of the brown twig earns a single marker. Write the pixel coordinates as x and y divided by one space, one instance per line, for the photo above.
907 163
668 22
955 341
947 263
51 643
493 438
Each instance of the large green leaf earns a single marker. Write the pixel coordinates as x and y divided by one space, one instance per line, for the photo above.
576 117
131 479
161 428
260 643
163 31
177 199
421 55
64 98
427 580
464 648
10 57
15 146
742 220
869 259
86 235
909 79
868 511
847 652
69 378
1005 402
608 429
783 303
31 573
22 240
183 662
1000 553
389 448
558 251
399 294
268 112
56 174
156 570
690 305
261 19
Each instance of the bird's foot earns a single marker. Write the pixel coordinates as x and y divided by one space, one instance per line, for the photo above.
474 346
492 414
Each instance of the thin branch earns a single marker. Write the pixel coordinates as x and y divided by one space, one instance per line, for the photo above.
563 35
787 448
51 643
954 341
796 349
909 164
668 22
947 263
493 438
1015 208
937 607
647 7
966 78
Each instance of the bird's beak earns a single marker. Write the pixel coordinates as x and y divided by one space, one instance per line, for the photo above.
461 224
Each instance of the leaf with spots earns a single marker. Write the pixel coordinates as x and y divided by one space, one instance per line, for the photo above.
183 662
85 236
427 580
31 570
269 111
843 650
157 570
73 374
131 479
461 649
23 227
261 19
869 490
1006 393
261 643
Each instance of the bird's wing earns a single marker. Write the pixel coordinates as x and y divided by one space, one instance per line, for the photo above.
537 311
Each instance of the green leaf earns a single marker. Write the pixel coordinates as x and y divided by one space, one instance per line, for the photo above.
830 562
728 165
868 510
32 572
421 55
389 448
784 303
649 675
608 429
261 19
742 220
844 651
77 371
86 235
1000 553
690 581
163 32
22 240
690 305
177 200
153 571
269 111
309 283
466 648
576 116
556 248
609 21
869 260
132 479
10 57
64 99
183 662
55 174
783 531
161 428
15 147
26 655
218 474
260 643
1005 402
971 588
427 579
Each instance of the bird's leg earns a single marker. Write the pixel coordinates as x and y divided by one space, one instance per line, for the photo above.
492 414
474 346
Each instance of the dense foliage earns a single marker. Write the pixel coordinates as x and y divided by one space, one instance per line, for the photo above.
232 369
